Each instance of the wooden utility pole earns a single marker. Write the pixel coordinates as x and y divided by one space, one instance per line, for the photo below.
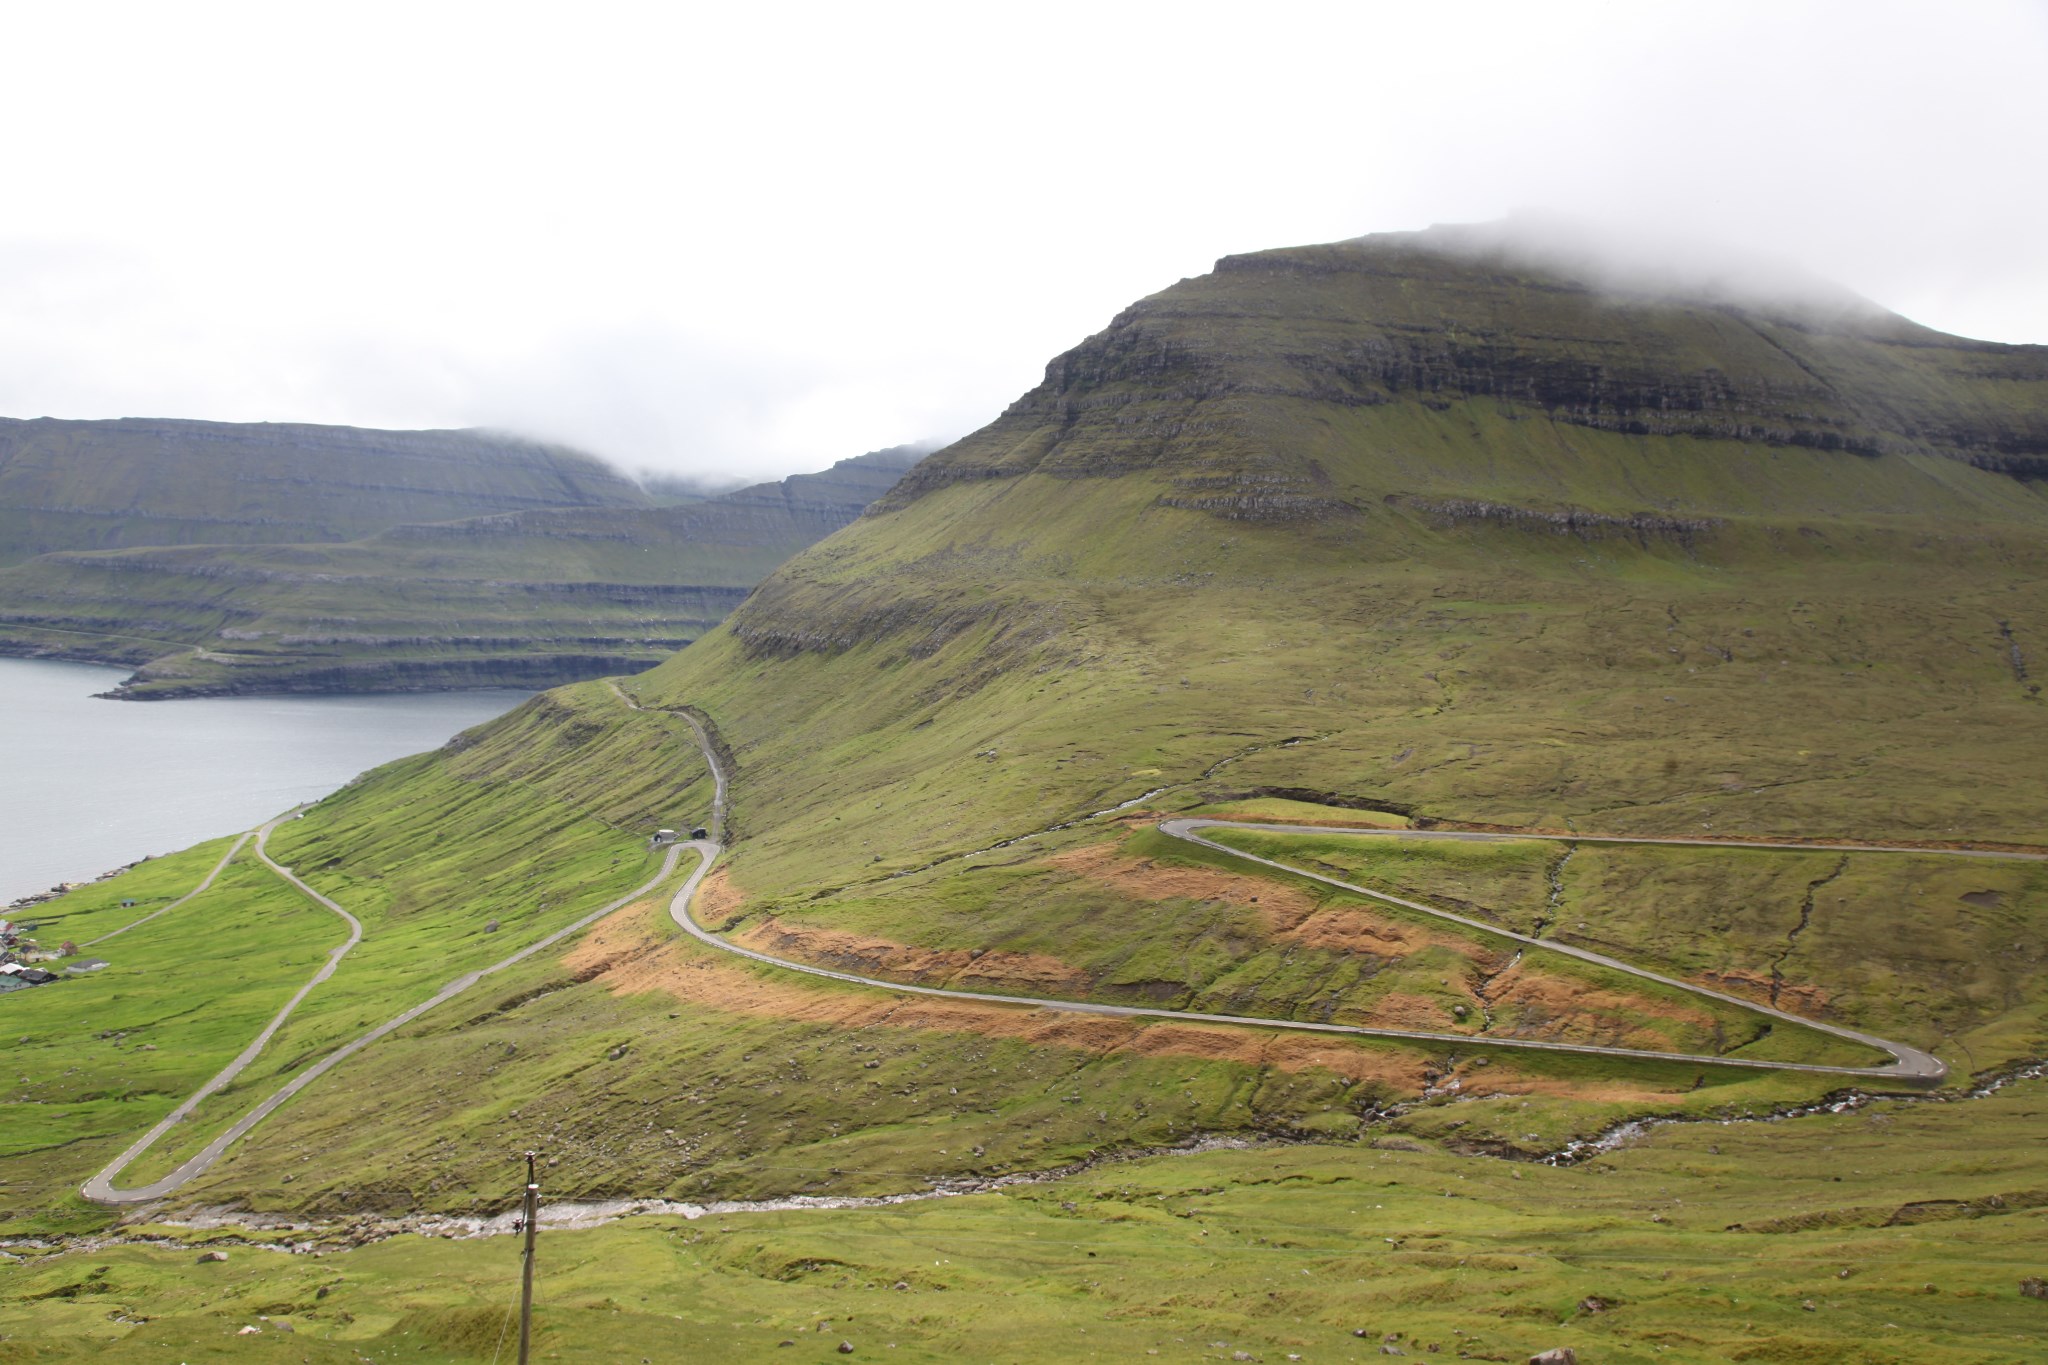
532 1219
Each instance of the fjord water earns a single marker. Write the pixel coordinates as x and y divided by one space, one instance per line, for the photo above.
87 785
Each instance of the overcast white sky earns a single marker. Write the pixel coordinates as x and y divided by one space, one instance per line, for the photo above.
756 238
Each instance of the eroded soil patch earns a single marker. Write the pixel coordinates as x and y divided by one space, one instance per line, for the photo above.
623 955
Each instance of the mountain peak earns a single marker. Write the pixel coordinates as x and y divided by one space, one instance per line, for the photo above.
1210 378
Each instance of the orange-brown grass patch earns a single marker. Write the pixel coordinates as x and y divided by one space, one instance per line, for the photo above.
954 967
1418 1013
1350 929
1289 911
1570 1010
1810 1001
718 898
623 954
1475 1081
628 955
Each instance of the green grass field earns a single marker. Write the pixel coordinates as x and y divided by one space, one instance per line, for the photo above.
93 1062
1878 1235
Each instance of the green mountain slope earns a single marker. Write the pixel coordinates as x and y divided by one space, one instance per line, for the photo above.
524 598
1379 524
68 485
1242 552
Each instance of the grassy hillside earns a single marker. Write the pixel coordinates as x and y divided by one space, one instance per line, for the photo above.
1757 682
645 1063
1182 574
527 598
1366 532
68 485
452 860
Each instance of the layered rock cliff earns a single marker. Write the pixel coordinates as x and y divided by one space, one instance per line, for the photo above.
527 598
1194 377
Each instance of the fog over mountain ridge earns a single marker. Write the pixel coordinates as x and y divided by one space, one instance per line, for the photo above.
1649 262
823 265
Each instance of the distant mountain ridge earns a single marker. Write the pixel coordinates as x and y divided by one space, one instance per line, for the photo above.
528 597
103 485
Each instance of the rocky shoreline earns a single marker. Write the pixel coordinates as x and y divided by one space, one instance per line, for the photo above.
66 888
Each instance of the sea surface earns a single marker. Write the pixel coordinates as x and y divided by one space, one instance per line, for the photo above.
87 785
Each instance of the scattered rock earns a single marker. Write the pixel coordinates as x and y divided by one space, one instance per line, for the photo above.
785 1342
900 1284
1593 1303
1556 1355
249 1331
617 1052
206 1256
1809 1307
2034 1287
846 1348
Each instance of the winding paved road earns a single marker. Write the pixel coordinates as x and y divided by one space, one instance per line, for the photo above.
1908 1064
101 1187
218 868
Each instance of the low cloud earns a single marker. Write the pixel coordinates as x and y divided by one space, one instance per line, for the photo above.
808 242
1649 261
